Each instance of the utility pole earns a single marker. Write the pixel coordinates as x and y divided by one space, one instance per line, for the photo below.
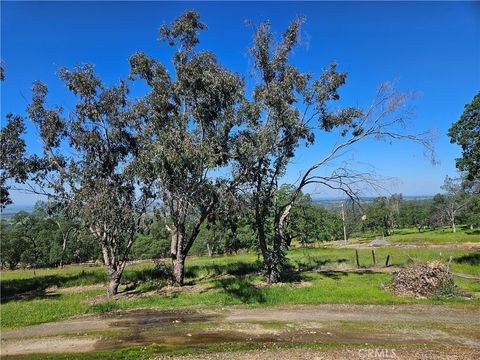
344 228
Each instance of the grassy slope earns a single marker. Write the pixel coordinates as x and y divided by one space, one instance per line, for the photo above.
438 236
231 280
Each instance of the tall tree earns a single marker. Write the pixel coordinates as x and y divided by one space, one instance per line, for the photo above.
12 151
190 119
453 203
472 212
466 133
286 109
13 165
86 166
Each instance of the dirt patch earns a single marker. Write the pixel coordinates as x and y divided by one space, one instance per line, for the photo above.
168 290
341 354
48 346
353 325
297 284
75 289
330 312
71 326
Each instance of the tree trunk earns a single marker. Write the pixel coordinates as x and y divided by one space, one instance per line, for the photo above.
176 252
178 270
64 246
113 284
277 259
273 275
209 250
266 254
454 227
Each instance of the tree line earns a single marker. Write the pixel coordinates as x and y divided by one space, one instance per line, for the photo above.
42 239
457 204
199 146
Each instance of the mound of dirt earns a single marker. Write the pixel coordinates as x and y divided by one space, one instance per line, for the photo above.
422 280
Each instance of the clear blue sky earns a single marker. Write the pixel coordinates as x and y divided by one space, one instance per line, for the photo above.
433 48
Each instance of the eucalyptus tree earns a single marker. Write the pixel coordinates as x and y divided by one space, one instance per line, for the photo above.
191 115
453 203
13 166
287 108
86 162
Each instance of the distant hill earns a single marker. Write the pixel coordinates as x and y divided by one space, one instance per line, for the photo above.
328 203
332 203
10 210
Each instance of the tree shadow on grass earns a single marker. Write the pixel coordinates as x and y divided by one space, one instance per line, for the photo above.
334 275
472 259
241 288
214 269
30 295
337 275
36 287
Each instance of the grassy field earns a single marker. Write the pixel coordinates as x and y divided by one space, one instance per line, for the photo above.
315 276
437 236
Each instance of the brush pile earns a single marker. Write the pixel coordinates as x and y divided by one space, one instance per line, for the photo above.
422 280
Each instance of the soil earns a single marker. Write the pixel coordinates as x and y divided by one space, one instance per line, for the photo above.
413 331
328 354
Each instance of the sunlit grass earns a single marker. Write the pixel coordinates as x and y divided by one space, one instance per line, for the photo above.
437 236
313 277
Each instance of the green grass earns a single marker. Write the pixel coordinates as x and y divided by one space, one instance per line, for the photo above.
437 236
232 280
40 310
330 288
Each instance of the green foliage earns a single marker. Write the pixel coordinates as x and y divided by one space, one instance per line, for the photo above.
277 127
85 165
13 165
414 214
472 212
13 246
190 116
36 239
383 214
308 223
153 244
466 133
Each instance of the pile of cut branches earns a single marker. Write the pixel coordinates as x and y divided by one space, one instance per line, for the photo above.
422 280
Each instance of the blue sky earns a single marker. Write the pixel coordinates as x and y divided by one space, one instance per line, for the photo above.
433 48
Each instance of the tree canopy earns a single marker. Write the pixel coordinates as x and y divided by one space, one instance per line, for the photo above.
466 133
86 163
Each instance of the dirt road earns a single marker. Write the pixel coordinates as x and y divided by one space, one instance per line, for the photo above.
421 328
